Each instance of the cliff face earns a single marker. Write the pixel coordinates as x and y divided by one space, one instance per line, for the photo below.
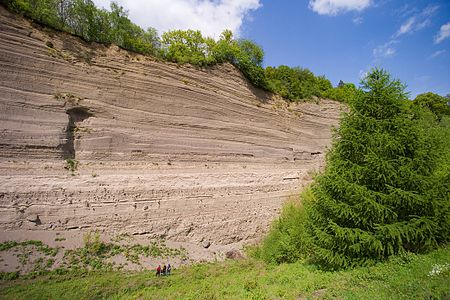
94 137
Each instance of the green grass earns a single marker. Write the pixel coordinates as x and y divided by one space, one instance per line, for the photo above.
406 277
94 256
71 165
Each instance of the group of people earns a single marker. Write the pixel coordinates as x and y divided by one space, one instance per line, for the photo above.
165 270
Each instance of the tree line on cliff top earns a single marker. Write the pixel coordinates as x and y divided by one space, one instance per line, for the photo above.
82 18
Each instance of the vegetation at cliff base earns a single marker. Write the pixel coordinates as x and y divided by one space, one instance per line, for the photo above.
288 240
409 276
385 189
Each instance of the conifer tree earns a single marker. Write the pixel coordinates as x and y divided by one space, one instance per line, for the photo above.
380 194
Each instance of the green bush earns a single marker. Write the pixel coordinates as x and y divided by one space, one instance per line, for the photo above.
94 245
9 275
186 46
345 93
296 83
71 165
288 240
225 49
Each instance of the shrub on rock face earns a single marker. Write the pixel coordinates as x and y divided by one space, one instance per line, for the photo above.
185 46
345 92
297 83
380 194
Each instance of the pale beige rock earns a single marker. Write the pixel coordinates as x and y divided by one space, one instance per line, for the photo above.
191 155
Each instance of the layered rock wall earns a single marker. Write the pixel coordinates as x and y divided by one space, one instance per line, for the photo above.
95 137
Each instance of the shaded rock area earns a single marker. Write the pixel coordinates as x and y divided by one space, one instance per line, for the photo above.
76 116
93 137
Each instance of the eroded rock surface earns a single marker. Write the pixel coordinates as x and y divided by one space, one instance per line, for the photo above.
95 137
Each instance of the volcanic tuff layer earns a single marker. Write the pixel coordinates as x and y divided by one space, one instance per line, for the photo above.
95 137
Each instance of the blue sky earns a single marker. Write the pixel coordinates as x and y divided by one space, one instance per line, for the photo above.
349 43
341 39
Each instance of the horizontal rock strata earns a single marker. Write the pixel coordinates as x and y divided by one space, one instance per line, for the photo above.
95 137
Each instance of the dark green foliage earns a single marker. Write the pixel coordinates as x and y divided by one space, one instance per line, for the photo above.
443 186
437 104
381 193
9 275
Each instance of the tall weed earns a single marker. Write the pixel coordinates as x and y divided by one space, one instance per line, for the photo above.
288 240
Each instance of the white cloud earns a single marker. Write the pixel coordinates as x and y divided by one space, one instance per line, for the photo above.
334 7
358 20
417 22
405 11
211 17
386 50
443 34
430 10
436 54
406 26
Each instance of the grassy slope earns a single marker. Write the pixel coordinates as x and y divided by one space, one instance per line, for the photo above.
401 278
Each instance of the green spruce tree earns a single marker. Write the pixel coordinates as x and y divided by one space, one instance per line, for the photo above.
380 194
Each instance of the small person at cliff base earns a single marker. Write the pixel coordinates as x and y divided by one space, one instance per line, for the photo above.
164 270
169 268
158 270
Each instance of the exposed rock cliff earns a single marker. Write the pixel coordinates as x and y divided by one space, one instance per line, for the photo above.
152 148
